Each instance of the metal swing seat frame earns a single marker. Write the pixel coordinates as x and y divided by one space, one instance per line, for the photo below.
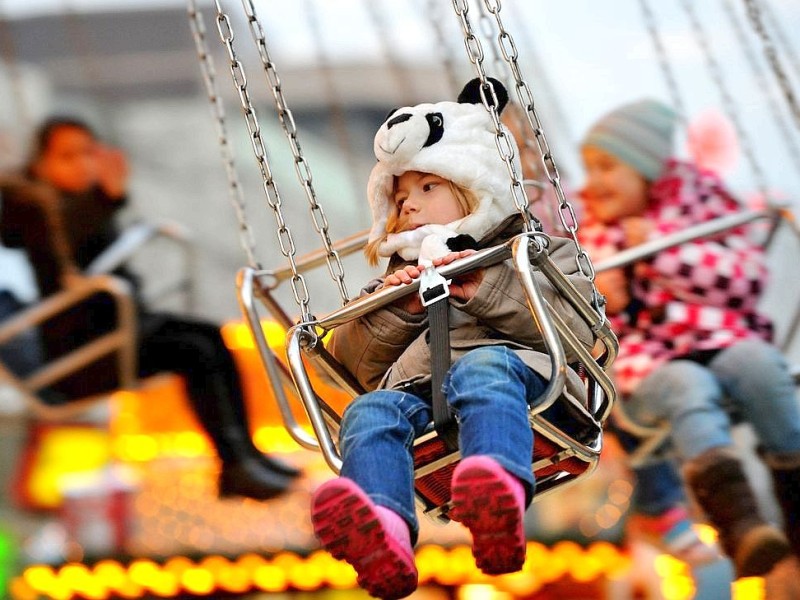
564 452
120 342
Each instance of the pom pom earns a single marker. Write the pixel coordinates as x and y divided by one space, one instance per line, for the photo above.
712 142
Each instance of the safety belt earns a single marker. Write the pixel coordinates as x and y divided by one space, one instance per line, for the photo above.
434 291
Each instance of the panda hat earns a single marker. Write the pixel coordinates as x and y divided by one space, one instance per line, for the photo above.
456 141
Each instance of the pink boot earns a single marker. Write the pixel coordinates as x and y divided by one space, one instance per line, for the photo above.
373 539
490 502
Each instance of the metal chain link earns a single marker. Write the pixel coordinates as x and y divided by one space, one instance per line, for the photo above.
10 60
445 54
285 240
754 14
508 49
399 72
780 35
763 85
663 61
727 100
235 194
490 102
301 166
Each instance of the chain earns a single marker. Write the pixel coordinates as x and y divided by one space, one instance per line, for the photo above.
235 195
727 100
780 35
338 119
754 14
9 52
782 126
490 102
445 54
663 60
285 240
398 71
508 49
301 166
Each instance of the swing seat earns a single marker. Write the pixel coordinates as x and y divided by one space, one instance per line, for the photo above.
566 447
552 462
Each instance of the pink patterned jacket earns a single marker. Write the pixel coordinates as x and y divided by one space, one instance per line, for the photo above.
699 296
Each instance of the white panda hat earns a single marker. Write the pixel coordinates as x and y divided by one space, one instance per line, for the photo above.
456 141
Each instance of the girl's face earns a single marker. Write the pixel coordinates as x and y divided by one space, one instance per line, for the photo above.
69 161
614 190
425 199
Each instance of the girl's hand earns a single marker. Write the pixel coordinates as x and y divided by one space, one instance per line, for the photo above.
637 230
407 274
113 171
462 288
465 286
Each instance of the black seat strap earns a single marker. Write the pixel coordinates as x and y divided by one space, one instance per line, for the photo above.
434 291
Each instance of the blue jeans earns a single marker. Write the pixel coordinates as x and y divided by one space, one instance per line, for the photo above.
23 353
658 485
748 381
489 390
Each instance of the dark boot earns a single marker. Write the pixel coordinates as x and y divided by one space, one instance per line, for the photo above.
250 479
721 488
785 469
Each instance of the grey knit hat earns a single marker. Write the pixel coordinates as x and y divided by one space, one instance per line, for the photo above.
639 134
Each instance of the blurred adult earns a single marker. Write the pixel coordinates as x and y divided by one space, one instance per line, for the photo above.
61 211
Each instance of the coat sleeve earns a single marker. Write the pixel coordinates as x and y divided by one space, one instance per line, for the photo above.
501 303
721 271
368 346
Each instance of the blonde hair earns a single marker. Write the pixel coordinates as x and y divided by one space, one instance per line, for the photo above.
467 201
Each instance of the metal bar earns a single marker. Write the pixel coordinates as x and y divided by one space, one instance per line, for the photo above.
648 249
244 285
309 399
317 258
540 314
385 296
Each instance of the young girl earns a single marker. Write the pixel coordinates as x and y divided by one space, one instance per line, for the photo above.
439 182
693 348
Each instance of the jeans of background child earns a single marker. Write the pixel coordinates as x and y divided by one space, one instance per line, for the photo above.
658 485
489 390
749 381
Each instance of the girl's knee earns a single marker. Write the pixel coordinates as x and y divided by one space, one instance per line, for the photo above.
751 356
486 357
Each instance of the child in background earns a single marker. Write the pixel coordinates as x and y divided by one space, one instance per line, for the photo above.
659 512
438 187
693 348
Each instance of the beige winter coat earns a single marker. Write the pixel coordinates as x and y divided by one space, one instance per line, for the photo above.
388 348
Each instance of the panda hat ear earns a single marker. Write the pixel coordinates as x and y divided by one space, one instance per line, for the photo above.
471 94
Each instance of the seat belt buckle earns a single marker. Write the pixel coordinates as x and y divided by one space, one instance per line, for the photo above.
433 287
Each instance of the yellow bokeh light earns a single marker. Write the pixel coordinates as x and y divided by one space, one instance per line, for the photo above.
270 578
748 588
198 581
39 577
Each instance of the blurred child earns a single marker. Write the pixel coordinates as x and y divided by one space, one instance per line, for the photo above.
694 351
439 187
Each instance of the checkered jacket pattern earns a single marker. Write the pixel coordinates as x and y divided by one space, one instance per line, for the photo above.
701 295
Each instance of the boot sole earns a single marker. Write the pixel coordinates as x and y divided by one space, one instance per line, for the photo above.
346 523
484 503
